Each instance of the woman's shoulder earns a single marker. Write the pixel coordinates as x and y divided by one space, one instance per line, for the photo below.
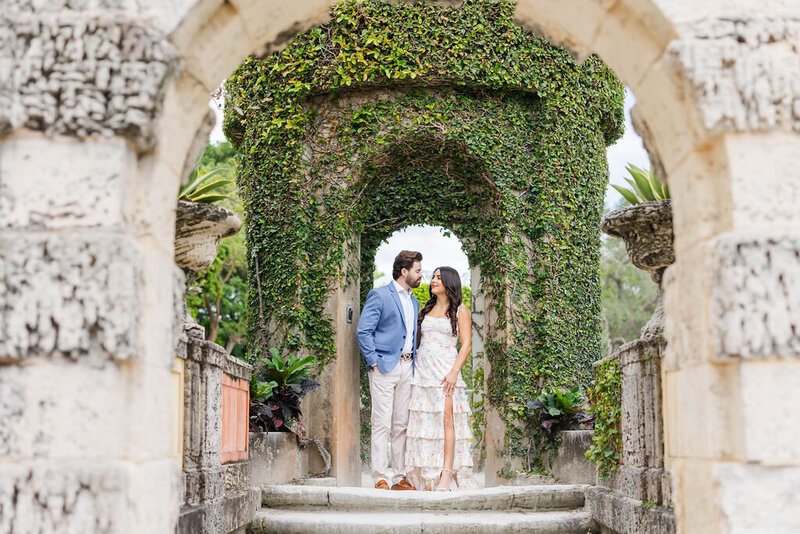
464 309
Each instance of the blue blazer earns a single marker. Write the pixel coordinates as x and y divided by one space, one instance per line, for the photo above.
381 329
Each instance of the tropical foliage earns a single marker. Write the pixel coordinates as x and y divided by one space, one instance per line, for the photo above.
645 187
277 388
217 297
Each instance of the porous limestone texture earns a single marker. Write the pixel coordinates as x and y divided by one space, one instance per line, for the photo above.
756 296
276 458
73 74
218 498
198 230
75 296
89 191
616 513
570 466
744 70
84 496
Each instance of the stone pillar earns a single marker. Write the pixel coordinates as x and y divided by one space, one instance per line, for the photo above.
331 412
479 393
87 325
732 368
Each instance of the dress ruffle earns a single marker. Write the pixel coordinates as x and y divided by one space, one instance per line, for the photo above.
425 433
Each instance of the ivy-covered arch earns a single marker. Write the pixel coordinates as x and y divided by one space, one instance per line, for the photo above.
344 134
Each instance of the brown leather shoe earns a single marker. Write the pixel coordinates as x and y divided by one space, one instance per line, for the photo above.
403 485
382 485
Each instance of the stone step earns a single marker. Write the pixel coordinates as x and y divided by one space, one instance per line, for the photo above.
521 498
324 521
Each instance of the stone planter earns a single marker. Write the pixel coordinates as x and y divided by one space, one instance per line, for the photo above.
198 230
647 231
276 458
570 466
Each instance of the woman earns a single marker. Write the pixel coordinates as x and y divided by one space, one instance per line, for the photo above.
439 434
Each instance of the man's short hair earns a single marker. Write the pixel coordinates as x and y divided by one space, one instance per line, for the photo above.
405 260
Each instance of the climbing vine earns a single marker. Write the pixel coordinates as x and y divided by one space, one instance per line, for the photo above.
392 115
605 398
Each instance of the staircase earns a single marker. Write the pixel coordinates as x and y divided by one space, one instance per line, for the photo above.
551 509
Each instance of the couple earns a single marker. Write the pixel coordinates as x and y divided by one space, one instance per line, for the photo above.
414 369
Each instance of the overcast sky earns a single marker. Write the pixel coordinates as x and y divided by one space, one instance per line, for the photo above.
438 250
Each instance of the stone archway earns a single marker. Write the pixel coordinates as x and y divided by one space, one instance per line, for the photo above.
727 71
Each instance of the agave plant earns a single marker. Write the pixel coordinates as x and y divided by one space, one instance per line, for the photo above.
206 186
644 186
276 389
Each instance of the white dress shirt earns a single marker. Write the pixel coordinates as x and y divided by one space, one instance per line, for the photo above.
408 314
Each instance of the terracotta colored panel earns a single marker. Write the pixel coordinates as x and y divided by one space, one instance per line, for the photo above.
235 405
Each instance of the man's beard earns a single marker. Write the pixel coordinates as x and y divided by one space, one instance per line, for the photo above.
413 282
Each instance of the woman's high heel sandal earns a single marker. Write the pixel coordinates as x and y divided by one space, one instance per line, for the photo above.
452 477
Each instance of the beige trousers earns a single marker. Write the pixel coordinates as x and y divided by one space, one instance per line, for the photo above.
391 394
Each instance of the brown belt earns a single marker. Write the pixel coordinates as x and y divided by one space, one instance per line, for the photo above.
406 356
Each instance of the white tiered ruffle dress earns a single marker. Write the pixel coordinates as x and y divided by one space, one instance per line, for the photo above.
425 434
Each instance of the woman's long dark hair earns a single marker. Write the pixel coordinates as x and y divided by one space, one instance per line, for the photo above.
452 288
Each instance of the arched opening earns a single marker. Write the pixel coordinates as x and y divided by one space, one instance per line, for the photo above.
709 132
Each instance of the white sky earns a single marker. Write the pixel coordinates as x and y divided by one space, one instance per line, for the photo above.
438 250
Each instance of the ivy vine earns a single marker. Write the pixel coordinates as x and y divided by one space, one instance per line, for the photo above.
605 399
392 115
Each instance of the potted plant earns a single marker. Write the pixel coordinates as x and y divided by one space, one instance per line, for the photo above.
646 228
276 391
199 227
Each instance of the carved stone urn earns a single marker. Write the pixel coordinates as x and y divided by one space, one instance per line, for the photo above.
199 227
647 231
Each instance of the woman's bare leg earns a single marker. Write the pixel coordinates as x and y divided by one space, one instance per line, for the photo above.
449 445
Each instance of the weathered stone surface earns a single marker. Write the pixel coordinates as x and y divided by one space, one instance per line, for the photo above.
69 74
198 230
331 522
617 514
68 295
63 499
275 458
757 499
81 414
647 231
570 465
745 70
756 296
44 192
509 498
45 6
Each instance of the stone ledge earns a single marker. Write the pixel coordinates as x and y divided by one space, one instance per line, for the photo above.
618 514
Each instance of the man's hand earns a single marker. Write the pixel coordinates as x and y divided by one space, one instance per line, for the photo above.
374 367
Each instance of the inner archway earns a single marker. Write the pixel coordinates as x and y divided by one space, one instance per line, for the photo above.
514 165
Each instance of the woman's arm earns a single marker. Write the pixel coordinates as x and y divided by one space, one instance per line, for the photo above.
465 336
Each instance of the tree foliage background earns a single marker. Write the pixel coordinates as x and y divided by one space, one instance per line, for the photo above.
217 298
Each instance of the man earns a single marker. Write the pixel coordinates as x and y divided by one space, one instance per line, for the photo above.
387 331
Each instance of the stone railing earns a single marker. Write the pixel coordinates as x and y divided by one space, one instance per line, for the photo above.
219 496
